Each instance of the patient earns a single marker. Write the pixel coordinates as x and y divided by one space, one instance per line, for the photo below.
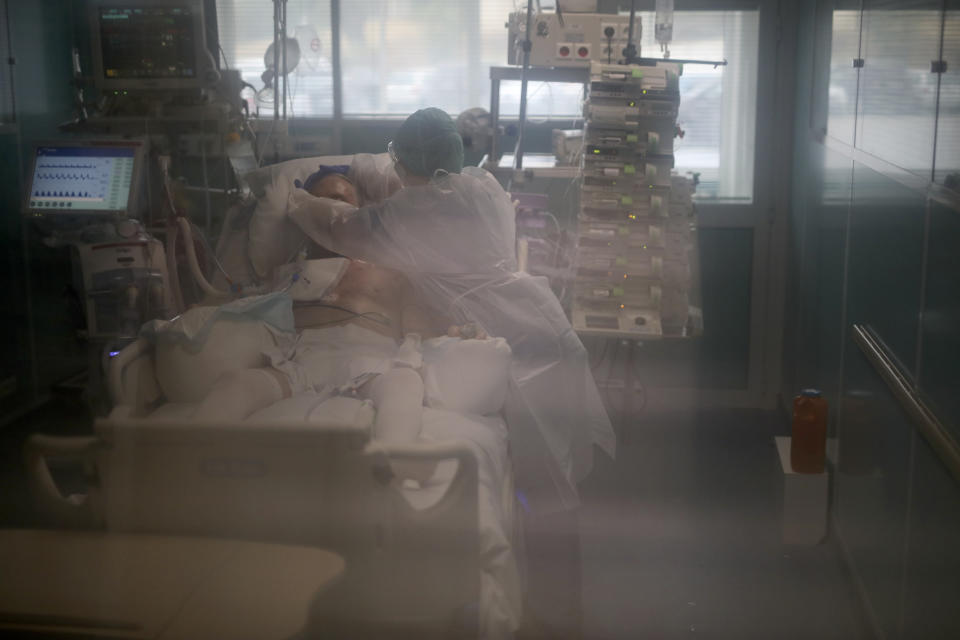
348 337
331 182
347 343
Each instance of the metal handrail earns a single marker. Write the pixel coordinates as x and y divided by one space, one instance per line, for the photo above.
924 419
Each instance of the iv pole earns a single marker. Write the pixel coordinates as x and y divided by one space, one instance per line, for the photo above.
527 46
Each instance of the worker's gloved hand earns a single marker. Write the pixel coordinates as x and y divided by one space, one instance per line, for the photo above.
468 331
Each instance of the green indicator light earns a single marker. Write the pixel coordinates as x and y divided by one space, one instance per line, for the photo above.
596 151
631 103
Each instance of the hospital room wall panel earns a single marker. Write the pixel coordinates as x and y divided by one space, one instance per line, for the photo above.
939 374
877 246
828 237
843 24
799 313
726 262
932 588
15 364
872 487
947 162
885 261
41 34
897 98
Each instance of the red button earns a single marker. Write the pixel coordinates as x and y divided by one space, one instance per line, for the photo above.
583 52
564 52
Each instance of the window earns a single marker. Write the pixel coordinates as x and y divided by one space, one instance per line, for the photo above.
401 55
246 31
717 106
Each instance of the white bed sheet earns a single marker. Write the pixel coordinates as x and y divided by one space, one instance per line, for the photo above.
500 586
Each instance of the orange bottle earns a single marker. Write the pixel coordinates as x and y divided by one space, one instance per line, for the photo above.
808 444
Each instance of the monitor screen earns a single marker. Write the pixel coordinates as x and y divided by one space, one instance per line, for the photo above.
83 178
148 45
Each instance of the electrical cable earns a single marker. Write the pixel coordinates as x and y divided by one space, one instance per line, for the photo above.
603 356
641 388
613 364
206 245
226 64
384 320
266 141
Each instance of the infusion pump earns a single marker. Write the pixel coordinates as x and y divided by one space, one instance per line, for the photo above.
574 40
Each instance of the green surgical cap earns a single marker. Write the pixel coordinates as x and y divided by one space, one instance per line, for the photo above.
427 141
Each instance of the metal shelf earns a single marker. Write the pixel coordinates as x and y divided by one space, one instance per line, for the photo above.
536 165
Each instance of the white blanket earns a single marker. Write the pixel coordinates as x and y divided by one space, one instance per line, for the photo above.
500 586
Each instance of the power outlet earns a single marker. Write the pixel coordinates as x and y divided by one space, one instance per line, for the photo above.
611 25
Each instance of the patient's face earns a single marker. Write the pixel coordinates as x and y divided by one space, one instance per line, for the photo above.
337 188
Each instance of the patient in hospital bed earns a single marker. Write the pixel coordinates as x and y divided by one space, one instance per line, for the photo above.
361 337
350 317
361 330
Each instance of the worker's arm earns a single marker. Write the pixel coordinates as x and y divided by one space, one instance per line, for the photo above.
340 226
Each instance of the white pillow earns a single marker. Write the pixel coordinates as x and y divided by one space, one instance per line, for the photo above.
468 376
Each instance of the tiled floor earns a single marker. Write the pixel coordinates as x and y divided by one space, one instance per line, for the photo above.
681 539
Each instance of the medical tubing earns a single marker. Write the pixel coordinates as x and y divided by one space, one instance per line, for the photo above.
385 321
507 277
213 255
184 226
203 163
172 270
228 217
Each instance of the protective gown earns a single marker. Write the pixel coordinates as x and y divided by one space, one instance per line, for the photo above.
454 239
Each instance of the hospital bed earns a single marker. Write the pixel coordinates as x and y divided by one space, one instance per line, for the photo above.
428 556
308 473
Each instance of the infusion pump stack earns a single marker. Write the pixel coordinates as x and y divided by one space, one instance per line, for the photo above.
86 196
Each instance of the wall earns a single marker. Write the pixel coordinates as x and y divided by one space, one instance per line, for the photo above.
42 345
874 238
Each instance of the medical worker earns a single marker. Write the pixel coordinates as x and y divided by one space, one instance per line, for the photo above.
451 230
